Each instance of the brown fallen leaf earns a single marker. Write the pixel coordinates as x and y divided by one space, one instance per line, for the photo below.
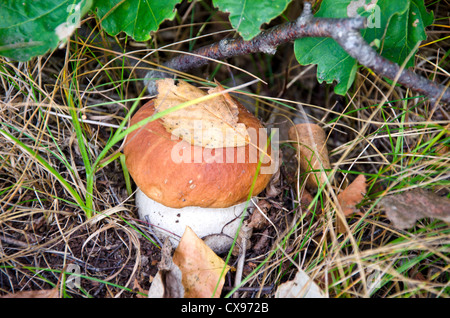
302 286
167 283
258 219
310 142
137 287
203 271
404 209
44 293
352 195
305 201
349 198
211 124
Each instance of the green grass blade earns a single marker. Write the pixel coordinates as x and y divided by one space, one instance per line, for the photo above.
47 166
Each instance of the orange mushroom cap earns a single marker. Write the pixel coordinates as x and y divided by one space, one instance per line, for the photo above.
208 183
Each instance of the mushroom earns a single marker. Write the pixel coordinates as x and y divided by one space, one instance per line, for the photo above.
201 184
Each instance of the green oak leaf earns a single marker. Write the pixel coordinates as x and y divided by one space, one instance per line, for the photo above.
394 28
247 16
404 30
30 28
333 63
137 18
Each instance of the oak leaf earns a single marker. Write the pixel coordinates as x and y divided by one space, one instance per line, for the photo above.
352 195
203 272
404 209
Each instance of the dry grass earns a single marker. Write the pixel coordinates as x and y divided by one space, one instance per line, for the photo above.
58 113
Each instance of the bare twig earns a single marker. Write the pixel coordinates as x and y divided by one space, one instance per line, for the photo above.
344 31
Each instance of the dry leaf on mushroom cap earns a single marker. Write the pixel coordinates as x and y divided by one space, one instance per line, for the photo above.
210 124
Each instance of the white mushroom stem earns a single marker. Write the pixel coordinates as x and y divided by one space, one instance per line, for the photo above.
216 226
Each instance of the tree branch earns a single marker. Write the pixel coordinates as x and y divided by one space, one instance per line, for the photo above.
344 31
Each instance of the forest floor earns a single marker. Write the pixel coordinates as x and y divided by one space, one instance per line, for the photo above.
46 159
